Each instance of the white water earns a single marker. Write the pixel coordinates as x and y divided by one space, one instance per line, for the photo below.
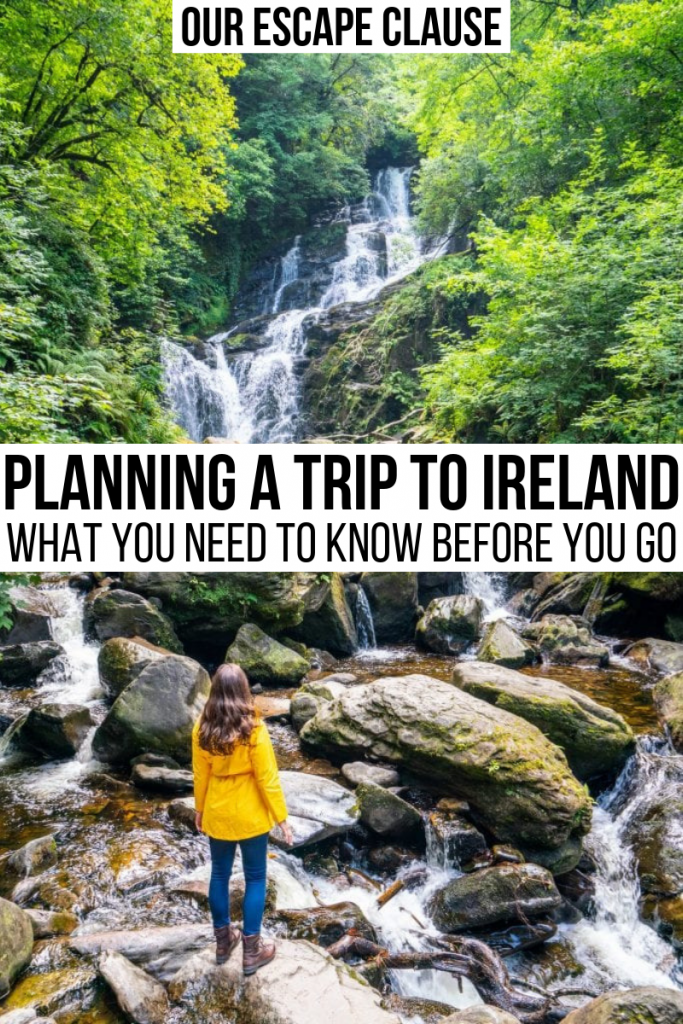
76 680
488 587
365 626
257 397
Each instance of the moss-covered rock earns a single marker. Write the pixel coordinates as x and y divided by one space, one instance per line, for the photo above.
393 601
16 944
481 1015
596 740
635 1006
122 659
661 656
566 640
450 624
56 730
507 892
668 695
307 700
517 783
208 608
110 613
387 814
31 612
327 622
156 713
264 659
501 645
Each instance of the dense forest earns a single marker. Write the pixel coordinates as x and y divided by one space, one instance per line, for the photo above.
139 189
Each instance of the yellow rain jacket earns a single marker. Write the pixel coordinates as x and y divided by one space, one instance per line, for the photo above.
238 794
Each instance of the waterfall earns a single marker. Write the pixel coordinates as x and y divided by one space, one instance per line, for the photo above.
365 626
617 945
255 397
488 587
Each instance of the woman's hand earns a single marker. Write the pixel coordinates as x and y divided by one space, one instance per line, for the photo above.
286 830
198 820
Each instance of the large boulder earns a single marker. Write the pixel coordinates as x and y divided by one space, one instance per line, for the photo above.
318 808
301 984
328 622
566 640
450 624
507 892
56 730
517 783
635 1006
595 739
668 696
661 656
393 601
501 645
208 608
156 713
16 944
31 612
140 997
21 664
122 659
110 613
264 659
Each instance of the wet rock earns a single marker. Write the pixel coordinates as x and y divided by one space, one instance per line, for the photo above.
33 858
655 833
428 1011
273 709
438 584
318 808
559 861
141 998
122 659
450 624
668 696
182 811
310 696
514 938
596 740
162 780
137 863
507 892
390 858
208 608
662 656
501 645
326 925
518 784
301 983
31 611
21 664
264 659
154 761
47 923
481 1015
358 772
327 621
635 1006
393 601
566 640
161 951
387 815
56 730
156 713
16 944
112 613
457 841
562 593
577 887
67 993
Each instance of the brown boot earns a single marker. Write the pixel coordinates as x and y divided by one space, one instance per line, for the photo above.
227 938
256 952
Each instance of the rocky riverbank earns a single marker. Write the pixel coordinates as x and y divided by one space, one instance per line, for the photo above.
485 801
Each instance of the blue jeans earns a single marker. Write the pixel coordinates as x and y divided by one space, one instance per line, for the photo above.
254 860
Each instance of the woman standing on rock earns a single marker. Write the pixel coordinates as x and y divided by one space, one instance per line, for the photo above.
238 799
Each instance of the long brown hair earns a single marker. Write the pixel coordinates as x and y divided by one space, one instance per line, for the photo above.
228 717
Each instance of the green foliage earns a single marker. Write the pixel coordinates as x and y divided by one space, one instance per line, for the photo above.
564 160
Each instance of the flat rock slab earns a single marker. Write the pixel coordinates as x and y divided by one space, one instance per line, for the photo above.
161 951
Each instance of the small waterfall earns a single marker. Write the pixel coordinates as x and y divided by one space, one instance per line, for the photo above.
617 944
255 397
289 273
365 626
488 587
75 679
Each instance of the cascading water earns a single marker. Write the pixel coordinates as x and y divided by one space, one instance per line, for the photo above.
365 626
488 587
255 398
